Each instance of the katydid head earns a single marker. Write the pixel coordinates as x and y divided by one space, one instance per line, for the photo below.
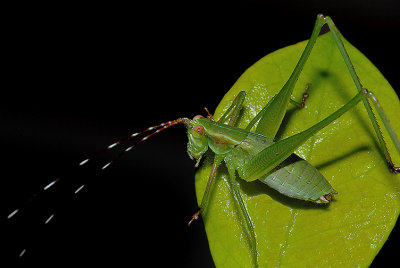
197 139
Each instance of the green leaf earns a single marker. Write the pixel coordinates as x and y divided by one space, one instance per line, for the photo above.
350 230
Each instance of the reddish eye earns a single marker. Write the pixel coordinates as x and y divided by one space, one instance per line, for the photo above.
199 129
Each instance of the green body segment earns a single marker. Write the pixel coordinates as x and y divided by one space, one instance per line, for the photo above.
297 178
221 138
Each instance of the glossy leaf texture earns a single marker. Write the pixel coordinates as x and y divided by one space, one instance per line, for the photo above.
350 230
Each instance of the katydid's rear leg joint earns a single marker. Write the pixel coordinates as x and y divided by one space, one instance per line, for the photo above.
195 217
304 97
393 169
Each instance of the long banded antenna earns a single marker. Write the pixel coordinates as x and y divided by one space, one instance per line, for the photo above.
157 129
162 126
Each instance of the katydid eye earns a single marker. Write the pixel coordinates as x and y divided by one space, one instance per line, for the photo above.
199 129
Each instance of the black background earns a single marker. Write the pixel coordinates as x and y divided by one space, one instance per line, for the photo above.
76 78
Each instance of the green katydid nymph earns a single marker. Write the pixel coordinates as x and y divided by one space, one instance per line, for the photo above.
254 153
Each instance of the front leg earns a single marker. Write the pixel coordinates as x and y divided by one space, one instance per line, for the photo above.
206 196
239 202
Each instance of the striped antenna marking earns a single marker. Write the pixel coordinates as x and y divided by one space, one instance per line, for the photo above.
49 219
51 184
79 189
84 162
107 165
22 253
113 145
12 214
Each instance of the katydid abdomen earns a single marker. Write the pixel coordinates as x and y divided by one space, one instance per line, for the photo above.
297 178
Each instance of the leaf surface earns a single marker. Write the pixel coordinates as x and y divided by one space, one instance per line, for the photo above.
351 229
